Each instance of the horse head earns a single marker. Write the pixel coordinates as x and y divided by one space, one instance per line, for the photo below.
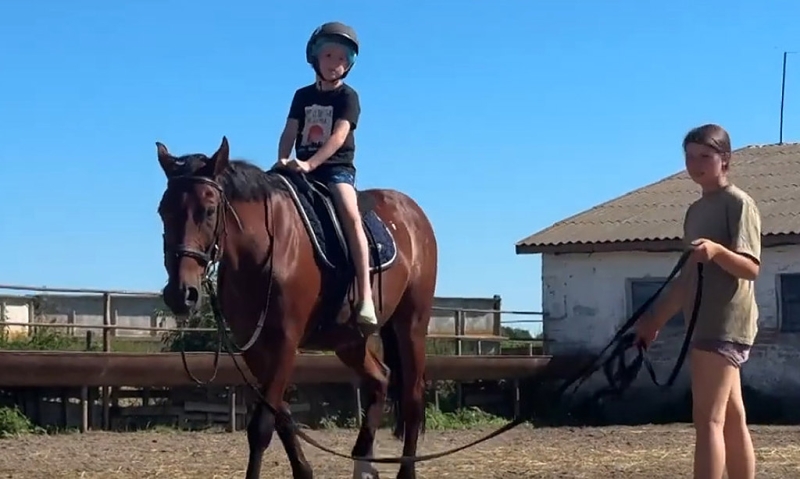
192 211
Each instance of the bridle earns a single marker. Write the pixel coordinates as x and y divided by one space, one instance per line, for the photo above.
208 260
211 254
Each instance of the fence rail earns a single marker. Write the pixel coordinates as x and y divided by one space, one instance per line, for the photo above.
155 294
52 289
464 324
86 370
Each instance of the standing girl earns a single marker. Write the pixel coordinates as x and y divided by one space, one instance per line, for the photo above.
724 229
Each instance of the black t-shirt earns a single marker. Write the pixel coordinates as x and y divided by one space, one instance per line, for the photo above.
317 111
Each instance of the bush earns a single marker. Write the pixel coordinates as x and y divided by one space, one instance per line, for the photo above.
42 339
464 418
13 423
197 341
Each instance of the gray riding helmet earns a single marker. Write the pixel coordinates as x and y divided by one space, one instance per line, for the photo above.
332 31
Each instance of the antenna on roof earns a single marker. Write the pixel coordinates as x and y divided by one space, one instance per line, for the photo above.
783 96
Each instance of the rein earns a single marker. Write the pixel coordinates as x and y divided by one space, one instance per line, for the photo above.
619 379
618 373
207 259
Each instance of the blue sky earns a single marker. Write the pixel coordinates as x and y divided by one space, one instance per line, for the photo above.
500 118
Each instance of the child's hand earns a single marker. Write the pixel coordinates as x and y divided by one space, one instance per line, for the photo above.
705 250
297 165
281 163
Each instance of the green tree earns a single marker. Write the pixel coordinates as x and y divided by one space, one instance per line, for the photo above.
515 333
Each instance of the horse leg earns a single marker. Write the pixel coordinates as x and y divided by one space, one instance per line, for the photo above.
301 469
369 367
259 435
277 367
404 352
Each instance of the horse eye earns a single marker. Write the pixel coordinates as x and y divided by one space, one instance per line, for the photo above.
210 211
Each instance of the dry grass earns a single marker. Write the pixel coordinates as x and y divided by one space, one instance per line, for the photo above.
619 452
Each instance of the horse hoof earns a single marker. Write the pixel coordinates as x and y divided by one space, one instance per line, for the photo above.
364 470
368 330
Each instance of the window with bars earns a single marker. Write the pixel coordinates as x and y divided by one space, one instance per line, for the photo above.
790 302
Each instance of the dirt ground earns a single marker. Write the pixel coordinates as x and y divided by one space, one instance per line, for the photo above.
618 452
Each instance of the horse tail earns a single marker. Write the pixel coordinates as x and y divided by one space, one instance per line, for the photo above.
391 357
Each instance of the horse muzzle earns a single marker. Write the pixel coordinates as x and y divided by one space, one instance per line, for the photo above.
181 298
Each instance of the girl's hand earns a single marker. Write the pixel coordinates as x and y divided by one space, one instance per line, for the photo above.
705 250
646 331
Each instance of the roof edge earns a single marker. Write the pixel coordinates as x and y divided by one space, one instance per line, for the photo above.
650 246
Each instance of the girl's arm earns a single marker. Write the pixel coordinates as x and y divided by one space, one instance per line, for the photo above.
741 265
743 259
670 303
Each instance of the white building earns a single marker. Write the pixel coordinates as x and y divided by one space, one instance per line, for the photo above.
601 264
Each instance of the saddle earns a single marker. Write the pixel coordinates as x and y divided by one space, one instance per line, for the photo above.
317 210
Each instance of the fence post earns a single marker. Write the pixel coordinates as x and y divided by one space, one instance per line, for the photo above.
106 391
106 322
85 400
459 318
232 408
497 327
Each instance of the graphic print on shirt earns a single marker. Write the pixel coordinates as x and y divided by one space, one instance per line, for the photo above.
318 125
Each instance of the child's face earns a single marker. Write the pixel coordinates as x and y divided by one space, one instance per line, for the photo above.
332 61
704 164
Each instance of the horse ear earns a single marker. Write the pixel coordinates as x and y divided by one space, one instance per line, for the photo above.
166 160
221 157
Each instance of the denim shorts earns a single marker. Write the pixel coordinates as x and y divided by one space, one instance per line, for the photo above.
331 175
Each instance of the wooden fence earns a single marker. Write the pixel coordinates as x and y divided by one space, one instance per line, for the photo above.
472 325
74 375
471 330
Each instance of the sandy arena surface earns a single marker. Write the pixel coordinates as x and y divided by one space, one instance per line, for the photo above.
618 452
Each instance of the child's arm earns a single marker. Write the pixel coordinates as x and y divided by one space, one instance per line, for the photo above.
286 141
346 115
340 130
743 259
289 133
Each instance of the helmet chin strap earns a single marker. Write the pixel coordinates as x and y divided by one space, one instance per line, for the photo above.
321 78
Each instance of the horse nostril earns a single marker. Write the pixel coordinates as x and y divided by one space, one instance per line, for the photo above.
191 295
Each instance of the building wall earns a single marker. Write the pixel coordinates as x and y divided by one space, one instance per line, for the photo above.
586 299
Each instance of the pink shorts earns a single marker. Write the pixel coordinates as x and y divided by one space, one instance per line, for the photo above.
736 353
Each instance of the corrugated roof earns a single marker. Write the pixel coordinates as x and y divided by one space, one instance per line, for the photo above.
768 173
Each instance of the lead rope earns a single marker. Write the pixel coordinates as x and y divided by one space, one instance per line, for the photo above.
622 339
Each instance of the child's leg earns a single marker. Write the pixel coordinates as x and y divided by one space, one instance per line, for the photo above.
713 377
346 202
739 452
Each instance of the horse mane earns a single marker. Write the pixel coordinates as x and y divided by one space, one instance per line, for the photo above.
244 181
241 180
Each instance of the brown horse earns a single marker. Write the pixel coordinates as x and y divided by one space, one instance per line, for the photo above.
283 283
